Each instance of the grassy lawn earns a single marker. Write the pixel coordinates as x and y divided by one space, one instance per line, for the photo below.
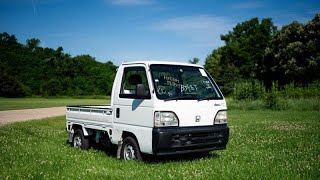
31 103
263 145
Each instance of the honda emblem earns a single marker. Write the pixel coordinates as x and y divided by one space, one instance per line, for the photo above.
198 118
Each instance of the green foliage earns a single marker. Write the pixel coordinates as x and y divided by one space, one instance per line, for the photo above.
33 44
245 46
256 50
249 90
241 57
273 101
247 96
33 70
298 92
293 54
246 105
11 87
194 61
307 104
52 88
212 64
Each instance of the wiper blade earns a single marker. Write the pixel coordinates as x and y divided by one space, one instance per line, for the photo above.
178 97
205 98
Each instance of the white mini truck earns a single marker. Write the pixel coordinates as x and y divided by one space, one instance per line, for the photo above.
157 108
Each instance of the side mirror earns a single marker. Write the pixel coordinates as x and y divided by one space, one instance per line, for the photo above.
141 91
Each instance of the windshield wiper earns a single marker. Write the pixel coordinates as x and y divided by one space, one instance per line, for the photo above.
205 98
178 98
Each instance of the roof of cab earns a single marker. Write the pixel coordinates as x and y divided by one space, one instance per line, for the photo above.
160 62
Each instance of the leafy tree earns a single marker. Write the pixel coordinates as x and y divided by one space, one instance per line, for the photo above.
7 40
59 52
10 86
52 88
194 61
245 46
312 48
293 54
242 55
212 63
223 75
34 70
33 44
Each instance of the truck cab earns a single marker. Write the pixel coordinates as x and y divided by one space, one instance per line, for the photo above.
157 108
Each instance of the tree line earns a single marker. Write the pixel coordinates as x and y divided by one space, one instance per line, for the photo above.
29 69
254 50
258 50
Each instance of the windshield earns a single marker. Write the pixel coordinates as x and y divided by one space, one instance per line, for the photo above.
173 82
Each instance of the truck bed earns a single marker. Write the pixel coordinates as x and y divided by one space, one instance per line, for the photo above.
90 115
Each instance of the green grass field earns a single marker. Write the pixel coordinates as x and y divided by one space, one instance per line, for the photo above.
263 145
31 103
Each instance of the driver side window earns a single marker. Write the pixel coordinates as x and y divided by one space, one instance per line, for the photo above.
131 78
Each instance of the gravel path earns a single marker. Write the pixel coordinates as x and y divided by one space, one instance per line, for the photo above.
29 114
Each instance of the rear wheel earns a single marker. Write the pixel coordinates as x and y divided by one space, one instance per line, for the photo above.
130 150
79 141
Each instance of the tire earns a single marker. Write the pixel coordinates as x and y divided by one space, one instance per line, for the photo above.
79 141
130 150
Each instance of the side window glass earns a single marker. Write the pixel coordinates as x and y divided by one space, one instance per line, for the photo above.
131 78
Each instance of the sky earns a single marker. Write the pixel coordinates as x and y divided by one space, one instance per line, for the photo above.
130 30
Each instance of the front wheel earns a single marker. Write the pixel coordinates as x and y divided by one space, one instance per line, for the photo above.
130 150
79 141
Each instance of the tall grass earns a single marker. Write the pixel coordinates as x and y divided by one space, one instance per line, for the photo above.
253 95
298 92
307 104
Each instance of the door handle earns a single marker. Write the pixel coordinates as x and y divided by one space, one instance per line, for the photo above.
118 113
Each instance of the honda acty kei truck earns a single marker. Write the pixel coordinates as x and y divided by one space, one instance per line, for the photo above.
157 108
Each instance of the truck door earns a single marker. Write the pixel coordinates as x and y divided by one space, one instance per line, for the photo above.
131 109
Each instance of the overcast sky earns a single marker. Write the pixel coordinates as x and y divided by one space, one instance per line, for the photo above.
126 30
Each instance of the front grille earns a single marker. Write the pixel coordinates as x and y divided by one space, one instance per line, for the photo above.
191 139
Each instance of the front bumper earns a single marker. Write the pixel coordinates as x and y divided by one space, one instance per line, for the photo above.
180 140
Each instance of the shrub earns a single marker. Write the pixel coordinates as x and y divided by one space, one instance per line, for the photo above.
298 92
249 90
11 87
52 88
273 101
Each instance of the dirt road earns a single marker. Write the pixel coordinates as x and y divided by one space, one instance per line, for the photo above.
29 114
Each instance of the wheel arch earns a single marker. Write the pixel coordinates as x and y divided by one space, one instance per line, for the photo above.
84 130
129 134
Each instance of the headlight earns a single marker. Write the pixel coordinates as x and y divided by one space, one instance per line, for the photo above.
221 117
162 119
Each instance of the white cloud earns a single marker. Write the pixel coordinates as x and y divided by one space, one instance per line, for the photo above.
130 2
202 30
248 5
